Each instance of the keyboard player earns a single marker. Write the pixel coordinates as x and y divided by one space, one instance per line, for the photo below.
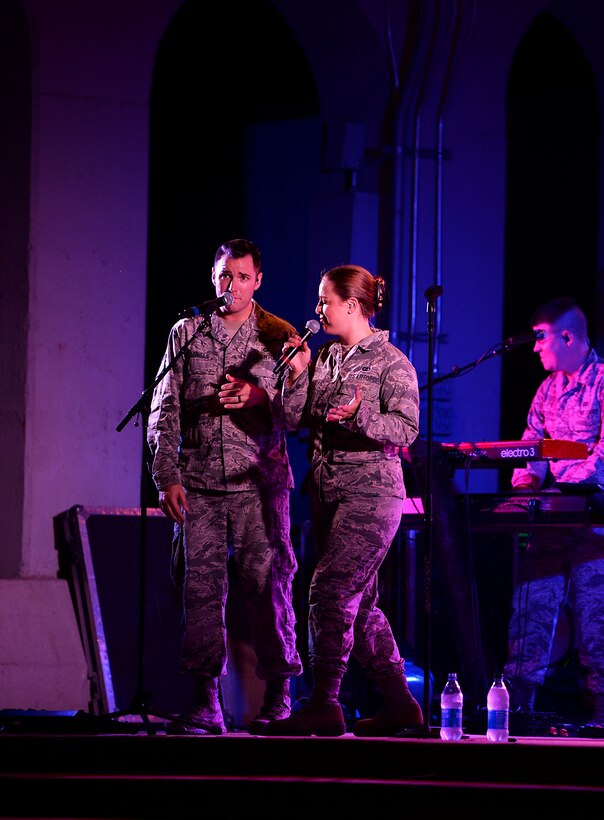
561 568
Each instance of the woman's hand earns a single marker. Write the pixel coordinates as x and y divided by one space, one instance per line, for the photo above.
301 360
344 412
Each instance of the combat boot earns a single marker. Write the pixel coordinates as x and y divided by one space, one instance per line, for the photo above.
320 719
400 711
276 706
205 716
321 716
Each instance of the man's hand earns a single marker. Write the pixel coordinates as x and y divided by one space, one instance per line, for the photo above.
236 393
524 488
173 503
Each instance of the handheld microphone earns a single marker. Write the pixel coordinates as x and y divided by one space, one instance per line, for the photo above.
206 308
312 327
524 338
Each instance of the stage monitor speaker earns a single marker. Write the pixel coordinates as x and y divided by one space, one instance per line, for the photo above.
99 552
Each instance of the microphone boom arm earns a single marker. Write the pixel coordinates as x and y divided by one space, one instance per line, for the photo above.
497 350
144 403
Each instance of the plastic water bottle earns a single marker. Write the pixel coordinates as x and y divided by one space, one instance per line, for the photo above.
498 711
451 709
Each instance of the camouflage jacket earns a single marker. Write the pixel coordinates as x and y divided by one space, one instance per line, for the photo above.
194 441
362 454
571 409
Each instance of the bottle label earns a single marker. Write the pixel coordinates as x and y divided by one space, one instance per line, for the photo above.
451 718
497 719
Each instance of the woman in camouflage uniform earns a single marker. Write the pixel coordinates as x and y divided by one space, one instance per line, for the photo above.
360 399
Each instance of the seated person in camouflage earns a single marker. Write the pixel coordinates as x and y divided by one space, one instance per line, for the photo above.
561 566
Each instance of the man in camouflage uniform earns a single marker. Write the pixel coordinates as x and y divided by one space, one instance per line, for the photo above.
561 566
220 464
360 399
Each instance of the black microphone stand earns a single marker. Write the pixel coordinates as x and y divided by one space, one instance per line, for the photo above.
431 294
139 705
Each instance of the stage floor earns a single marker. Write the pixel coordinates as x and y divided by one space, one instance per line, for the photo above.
66 771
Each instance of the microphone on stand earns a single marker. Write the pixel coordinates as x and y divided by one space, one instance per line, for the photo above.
524 338
206 308
433 292
312 327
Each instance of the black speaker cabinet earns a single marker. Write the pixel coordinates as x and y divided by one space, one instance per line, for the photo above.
111 570
130 616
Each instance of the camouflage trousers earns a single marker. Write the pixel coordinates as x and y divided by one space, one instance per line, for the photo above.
255 531
537 600
352 537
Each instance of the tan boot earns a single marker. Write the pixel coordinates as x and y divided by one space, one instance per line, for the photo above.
400 711
321 716
321 719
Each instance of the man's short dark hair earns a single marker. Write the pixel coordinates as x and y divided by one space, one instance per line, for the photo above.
236 249
562 310
550 312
